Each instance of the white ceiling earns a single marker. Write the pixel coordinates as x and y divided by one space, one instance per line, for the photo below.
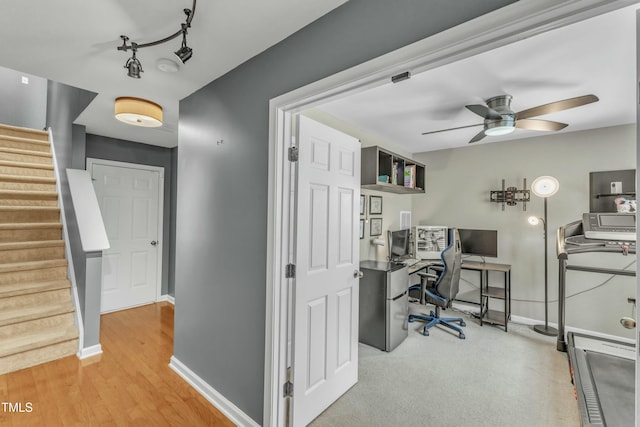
74 42
596 56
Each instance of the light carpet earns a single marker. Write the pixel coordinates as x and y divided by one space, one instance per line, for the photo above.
491 378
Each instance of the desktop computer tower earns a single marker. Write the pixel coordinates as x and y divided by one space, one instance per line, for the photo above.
430 240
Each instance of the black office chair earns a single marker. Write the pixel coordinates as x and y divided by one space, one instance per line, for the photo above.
440 287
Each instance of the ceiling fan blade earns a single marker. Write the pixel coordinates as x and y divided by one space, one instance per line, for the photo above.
445 130
554 107
544 125
478 137
484 111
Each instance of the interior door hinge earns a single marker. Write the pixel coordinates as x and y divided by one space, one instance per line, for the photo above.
293 154
287 389
290 272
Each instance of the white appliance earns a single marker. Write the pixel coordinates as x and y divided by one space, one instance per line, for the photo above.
430 240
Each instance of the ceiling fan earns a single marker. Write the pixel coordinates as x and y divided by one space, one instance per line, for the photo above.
499 119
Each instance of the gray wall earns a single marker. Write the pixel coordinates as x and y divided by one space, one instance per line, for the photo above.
22 104
102 147
222 189
64 104
458 185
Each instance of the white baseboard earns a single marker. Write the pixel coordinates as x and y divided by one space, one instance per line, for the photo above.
520 320
167 298
94 350
231 411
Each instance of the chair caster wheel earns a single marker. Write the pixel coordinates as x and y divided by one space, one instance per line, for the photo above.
425 332
461 336
463 324
410 320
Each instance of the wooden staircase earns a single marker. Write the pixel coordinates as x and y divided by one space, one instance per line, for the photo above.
37 322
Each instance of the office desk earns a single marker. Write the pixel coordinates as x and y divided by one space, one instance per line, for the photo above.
487 292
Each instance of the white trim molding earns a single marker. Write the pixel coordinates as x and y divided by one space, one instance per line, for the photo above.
167 298
94 350
225 406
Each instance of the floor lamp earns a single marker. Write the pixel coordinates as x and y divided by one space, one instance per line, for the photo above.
545 187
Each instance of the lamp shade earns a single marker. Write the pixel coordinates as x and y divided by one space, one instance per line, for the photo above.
138 112
545 186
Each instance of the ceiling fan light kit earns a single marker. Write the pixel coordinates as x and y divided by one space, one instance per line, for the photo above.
138 112
133 65
500 127
499 119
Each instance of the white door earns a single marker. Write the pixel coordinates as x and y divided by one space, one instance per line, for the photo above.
325 307
129 203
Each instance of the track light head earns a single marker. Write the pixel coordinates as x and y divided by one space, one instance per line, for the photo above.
184 53
134 67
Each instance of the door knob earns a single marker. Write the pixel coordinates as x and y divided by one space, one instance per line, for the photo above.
154 243
358 274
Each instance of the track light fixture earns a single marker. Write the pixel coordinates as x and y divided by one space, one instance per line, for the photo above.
185 52
133 65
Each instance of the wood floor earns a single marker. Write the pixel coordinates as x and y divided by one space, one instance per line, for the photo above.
129 384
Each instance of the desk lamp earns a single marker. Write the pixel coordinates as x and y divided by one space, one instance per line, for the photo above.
545 187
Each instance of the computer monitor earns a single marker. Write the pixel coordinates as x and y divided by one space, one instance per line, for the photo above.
482 243
398 245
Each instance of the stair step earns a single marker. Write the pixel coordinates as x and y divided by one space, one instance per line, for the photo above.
24 232
29 169
27 359
22 132
28 198
15 252
32 265
60 321
33 271
25 182
33 214
19 303
24 314
27 156
36 333
15 289
24 143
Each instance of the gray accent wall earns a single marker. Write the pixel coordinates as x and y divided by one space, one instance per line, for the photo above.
22 104
102 147
221 242
64 104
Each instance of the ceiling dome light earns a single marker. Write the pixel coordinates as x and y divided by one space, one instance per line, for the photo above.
138 112
167 65
499 127
545 186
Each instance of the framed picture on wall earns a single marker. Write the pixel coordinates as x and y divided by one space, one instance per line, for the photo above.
375 226
362 203
362 228
375 205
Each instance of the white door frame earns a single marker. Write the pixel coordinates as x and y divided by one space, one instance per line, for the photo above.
519 20
160 170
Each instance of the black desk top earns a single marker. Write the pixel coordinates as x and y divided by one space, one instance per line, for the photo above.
382 266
